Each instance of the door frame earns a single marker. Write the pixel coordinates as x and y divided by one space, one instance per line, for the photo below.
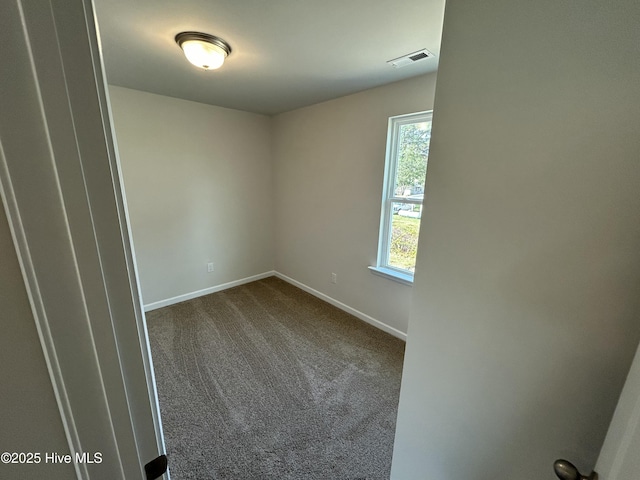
618 459
61 187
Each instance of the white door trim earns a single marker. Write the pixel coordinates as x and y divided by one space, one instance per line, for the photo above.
619 458
61 187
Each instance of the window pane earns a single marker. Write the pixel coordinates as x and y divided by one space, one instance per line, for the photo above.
405 227
413 151
405 174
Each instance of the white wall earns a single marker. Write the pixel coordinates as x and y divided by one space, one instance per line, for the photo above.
198 182
329 168
30 416
525 309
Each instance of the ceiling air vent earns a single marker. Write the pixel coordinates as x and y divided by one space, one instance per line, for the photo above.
411 58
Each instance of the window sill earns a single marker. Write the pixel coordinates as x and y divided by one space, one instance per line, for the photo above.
403 278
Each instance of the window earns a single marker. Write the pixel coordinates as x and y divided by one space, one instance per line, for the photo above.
403 193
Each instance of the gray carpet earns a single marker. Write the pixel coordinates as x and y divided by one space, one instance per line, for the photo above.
265 381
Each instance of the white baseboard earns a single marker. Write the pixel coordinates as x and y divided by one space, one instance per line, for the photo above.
356 313
342 306
206 291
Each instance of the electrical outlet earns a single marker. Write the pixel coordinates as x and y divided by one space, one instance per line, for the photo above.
210 267
334 278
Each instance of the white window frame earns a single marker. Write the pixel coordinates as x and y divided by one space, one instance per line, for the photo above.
389 198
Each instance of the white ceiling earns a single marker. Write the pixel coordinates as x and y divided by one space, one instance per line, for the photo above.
286 53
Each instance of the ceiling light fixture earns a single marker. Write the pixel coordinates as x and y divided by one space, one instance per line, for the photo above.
203 50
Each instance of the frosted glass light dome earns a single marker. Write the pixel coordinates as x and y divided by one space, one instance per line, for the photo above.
203 50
